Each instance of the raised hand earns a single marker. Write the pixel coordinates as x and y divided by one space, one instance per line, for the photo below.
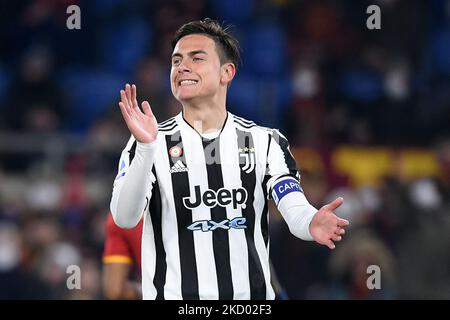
142 125
326 227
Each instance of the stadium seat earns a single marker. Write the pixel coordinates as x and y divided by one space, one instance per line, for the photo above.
123 45
440 52
265 50
226 10
90 94
360 85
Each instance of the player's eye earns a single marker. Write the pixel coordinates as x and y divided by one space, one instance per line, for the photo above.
176 61
197 59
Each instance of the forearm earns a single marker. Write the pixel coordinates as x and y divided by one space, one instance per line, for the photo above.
298 213
293 206
130 191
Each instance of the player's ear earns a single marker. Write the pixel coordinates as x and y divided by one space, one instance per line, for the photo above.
228 71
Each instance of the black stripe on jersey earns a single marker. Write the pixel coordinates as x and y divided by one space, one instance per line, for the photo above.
265 214
269 137
244 125
180 188
168 128
155 209
256 275
290 161
244 120
167 123
132 152
221 242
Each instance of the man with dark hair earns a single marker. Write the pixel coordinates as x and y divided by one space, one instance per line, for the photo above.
226 45
202 179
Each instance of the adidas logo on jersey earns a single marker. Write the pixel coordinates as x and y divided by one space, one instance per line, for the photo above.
178 167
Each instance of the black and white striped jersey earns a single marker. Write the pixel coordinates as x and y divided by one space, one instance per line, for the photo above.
205 233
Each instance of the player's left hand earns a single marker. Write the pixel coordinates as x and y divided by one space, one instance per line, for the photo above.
327 228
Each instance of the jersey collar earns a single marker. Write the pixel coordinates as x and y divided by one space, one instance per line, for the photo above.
227 123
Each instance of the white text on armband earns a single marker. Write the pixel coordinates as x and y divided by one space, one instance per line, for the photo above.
284 187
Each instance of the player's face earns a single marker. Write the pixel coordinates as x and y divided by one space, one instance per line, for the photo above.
196 69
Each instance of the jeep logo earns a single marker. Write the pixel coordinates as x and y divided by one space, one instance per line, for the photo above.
222 197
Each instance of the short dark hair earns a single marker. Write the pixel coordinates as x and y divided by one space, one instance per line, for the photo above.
227 45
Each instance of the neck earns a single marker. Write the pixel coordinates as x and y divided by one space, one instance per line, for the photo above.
206 117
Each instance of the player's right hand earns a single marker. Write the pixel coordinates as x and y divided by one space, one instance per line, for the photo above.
326 227
142 125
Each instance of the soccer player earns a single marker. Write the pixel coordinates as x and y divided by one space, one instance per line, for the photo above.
122 261
202 179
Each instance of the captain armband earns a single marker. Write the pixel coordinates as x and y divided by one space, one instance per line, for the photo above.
285 186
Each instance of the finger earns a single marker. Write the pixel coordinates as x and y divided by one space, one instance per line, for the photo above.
330 244
124 99
336 237
147 109
335 204
134 96
124 111
133 92
340 231
342 222
128 94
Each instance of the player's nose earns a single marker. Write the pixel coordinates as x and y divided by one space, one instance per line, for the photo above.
183 67
184 70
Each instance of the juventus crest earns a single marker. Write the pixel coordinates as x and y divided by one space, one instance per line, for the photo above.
247 157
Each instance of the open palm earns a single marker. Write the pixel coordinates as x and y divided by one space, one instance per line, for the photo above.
142 125
326 227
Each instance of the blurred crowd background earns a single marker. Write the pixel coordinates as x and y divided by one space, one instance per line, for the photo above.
367 113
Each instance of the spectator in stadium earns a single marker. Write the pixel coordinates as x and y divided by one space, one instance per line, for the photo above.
122 261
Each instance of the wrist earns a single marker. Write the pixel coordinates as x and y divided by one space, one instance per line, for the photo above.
145 146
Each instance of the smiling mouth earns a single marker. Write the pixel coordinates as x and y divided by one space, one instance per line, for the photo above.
183 83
